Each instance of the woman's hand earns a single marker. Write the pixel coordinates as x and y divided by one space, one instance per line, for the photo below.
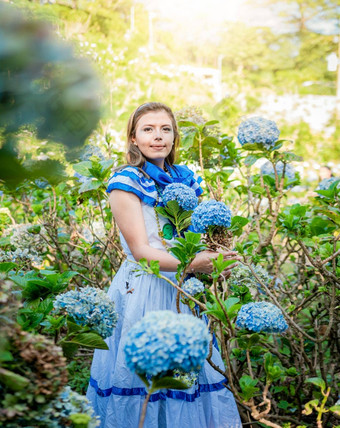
203 261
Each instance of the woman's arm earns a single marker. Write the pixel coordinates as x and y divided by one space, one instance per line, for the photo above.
127 210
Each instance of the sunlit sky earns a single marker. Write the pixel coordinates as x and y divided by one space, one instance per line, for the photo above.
204 15
195 17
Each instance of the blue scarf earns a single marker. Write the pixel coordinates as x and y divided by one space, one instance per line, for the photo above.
179 174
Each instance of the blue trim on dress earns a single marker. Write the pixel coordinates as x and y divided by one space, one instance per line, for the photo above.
122 186
175 394
147 183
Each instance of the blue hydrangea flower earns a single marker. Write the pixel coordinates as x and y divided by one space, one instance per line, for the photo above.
268 169
326 183
183 194
164 340
89 306
261 316
82 178
193 286
210 213
258 130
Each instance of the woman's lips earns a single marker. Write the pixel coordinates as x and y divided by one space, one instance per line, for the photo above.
158 147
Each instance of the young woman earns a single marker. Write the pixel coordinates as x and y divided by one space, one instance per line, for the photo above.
116 393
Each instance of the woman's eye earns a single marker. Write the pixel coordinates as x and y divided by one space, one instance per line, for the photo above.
148 129
167 129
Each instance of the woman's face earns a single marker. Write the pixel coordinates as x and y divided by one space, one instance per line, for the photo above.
154 136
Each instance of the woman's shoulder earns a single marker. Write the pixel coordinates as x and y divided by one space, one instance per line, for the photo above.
133 179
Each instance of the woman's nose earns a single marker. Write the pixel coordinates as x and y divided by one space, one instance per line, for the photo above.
158 134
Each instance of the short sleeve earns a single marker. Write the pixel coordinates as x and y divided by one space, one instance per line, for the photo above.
130 179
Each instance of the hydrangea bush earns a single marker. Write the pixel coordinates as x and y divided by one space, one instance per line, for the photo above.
261 317
89 306
258 130
162 341
183 194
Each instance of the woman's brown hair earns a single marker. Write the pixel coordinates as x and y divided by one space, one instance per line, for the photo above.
134 156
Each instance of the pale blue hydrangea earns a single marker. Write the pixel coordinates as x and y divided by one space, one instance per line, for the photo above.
82 178
193 286
258 130
164 340
326 183
241 275
42 183
89 306
183 194
210 213
261 317
92 150
58 412
268 169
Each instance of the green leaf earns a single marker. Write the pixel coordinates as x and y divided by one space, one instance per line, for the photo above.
173 208
144 379
318 381
251 159
169 383
248 386
154 265
257 190
83 168
162 211
185 215
319 226
13 381
88 340
186 124
195 238
90 185
253 147
310 406
211 122
335 409
106 164
69 348
188 140
7 266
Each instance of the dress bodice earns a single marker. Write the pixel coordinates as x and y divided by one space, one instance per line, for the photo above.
143 185
151 228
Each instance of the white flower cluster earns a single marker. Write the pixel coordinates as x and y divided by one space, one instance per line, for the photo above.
28 244
20 256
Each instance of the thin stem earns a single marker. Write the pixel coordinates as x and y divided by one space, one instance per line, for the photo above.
143 414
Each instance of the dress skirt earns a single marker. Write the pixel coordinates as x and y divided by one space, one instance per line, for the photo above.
117 394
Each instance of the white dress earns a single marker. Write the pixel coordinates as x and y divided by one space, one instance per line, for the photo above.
117 394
